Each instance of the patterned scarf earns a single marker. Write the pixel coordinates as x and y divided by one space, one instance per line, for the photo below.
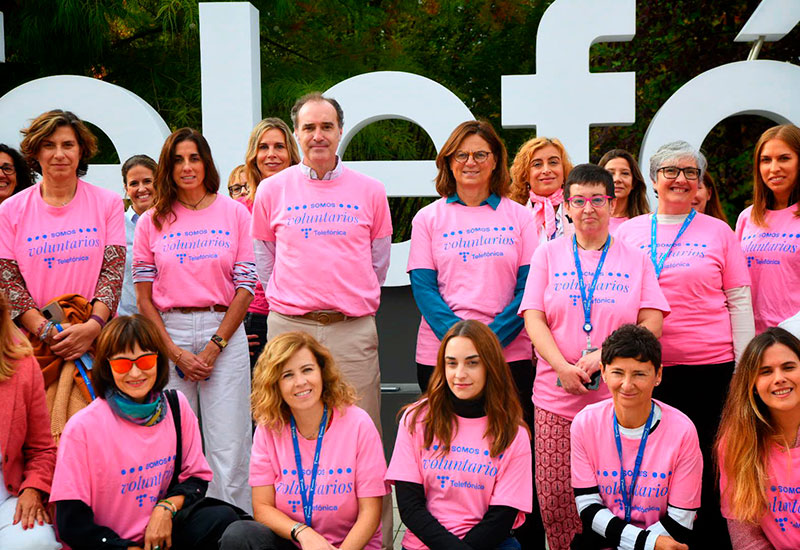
544 210
149 413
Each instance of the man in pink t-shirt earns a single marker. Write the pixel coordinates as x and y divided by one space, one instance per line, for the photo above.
323 239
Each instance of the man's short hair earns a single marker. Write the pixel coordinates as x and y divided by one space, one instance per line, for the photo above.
317 96
632 342
589 174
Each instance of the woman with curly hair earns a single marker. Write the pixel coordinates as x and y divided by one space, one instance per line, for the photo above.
317 463
757 445
462 460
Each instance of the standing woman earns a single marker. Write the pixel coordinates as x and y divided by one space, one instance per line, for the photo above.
462 460
309 427
14 172
194 274
757 447
138 177
567 317
629 187
537 181
61 236
702 273
769 230
270 149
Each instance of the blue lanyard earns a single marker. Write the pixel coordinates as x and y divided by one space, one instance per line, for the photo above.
659 264
627 497
308 497
83 363
586 298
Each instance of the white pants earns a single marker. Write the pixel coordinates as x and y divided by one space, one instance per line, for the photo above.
40 537
221 403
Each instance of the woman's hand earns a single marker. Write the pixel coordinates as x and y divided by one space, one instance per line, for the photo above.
209 354
573 379
30 509
159 529
192 365
75 340
311 540
589 363
664 542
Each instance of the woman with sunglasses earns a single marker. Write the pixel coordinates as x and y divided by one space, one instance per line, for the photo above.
567 317
702 272
114 483
462 460
317 463
474 233
769 230
194 274
758 446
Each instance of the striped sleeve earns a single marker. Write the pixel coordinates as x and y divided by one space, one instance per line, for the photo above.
244 276
144 272
596 517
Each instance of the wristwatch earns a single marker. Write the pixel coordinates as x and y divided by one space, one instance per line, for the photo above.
221 342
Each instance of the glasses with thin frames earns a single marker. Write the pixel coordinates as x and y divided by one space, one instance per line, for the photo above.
143 362
8 169
480 157
597 201
672 172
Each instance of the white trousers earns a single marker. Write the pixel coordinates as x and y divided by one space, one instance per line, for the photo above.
40 537
221 403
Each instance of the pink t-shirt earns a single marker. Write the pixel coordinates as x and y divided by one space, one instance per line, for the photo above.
351 466
259 304
626 285
59 250
195 253
705 262
614 223
772 257
323 233
781 522
461 485
120 469
465 245
671 470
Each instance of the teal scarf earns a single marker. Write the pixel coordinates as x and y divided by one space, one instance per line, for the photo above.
149 413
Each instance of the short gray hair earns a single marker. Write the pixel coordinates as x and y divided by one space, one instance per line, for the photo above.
673 151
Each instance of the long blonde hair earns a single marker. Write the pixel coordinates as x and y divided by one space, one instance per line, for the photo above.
268 406
763 198
254 176
13 344
746 432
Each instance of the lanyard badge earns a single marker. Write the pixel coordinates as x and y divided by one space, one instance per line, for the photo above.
658 263
627 497
308 496
586 297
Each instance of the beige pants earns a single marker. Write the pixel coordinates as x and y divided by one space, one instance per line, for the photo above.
354 345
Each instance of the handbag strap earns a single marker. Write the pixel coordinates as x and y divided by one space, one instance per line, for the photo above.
175 407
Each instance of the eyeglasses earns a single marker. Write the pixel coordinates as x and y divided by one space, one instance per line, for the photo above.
143 362
8 169
480 157
672 172
237 189
597 201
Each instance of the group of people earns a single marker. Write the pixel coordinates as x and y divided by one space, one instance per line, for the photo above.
554 308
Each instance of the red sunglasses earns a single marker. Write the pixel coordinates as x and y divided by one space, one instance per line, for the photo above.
144 362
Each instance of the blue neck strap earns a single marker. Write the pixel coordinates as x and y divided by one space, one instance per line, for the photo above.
586 297
627 497
658 264
308 496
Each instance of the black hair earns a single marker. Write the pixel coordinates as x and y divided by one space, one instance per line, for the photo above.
589 174
632 342
317 96
24 174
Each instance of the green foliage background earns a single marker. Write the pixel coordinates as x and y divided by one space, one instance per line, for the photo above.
151 47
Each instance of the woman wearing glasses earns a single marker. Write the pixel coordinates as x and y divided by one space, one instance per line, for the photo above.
567 317
702 272
14 172
470 255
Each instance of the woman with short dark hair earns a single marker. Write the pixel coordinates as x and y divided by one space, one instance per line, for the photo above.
15 175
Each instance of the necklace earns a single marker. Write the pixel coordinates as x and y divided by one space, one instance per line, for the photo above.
52 201
195 205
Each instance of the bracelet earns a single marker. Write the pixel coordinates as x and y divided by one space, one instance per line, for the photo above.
171 505
165 507
99 320
178 357
297 528
40 329
45 331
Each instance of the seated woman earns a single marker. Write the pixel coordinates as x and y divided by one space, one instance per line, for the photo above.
30 455
115 483
462 459
299 391
654 502
757 446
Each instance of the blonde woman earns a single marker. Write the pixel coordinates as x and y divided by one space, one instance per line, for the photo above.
757 446
317 463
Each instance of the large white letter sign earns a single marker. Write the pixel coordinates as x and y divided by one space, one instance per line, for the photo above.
764 88
384 95
131 124
563 99
230 80
772 19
